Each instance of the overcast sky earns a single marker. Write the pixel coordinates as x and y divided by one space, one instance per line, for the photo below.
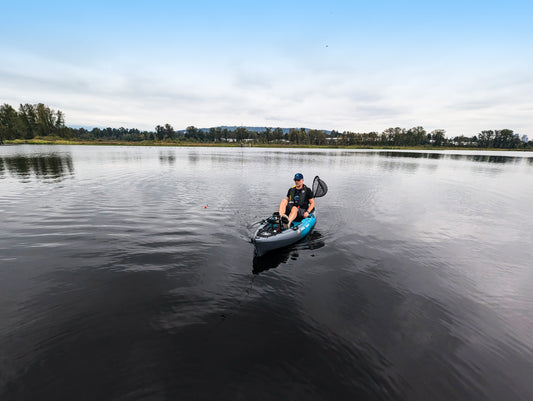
463 66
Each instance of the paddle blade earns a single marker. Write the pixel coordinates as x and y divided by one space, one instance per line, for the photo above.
319 187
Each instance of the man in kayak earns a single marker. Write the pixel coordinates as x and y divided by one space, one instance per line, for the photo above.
298 204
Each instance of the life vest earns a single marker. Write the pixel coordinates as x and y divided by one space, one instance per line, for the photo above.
298 197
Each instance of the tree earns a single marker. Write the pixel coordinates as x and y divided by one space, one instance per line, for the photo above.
160 132
317 137
169 131
277 134
503 138
372 138
399 136
268 135
60 120
486 139
46 120
241 133
60 127
462 140
438 137
28 119
191 132
416 136
211 134
8 123
304 136
200 136
218 134
293 136
388 136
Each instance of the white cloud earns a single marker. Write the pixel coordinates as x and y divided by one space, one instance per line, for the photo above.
273 90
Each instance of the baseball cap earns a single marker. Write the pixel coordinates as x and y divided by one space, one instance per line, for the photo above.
298 176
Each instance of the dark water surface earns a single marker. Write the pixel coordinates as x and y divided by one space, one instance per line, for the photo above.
127 274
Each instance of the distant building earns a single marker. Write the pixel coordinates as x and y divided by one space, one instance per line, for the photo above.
525 139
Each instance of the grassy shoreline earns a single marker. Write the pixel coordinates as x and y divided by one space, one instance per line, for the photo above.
62 141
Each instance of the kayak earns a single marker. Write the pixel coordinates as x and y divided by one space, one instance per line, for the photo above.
269 236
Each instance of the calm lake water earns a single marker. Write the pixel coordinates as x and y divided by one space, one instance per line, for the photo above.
126 273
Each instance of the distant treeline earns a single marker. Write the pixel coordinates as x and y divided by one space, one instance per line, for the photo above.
32 121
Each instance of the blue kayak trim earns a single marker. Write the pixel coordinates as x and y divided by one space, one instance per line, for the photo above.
266 241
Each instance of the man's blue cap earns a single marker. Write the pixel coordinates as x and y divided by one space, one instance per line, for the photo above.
298 176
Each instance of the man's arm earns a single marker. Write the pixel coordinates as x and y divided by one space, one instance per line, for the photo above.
310 207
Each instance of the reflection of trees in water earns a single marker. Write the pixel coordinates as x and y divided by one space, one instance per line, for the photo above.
169 158
413 155
475 158
194 157
426 155
273 259
489 159
43 166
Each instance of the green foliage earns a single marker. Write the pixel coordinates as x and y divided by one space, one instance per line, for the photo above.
31 121
8 122
39 121
502 139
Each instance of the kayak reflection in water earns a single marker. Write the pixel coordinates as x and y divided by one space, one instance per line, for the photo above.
272 260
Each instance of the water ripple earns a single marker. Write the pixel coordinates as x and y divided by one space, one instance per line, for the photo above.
133 266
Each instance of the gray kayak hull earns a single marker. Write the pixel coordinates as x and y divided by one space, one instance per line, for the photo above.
266 240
